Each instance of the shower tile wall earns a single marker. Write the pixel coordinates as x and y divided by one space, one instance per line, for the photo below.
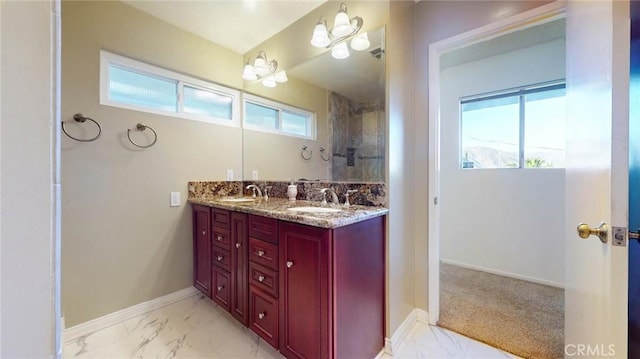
358 139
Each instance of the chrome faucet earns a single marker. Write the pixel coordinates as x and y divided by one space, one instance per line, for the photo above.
334 196
256 189
266 193
346 200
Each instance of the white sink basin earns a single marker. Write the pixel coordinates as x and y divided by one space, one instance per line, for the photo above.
314 209
237 199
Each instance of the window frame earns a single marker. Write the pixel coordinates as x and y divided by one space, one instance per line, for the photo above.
521 93
108 59
279 107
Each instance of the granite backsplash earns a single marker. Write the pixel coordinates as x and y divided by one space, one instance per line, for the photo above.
369 194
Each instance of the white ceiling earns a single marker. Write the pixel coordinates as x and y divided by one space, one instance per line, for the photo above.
239 25
512 41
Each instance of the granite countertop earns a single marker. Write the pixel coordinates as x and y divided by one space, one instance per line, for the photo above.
277 208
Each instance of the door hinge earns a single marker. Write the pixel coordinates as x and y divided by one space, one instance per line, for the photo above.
435 201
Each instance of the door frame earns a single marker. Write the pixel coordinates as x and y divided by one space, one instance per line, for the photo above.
545 13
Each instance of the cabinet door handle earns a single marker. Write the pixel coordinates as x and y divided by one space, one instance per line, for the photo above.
204 233
220 258
238 245
289 264
261 278
261 315
260 253
219 238
220 287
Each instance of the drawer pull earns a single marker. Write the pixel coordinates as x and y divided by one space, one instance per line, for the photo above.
261 315
204 233
220 287
238 245
220 238
261 278
260 253
289 264
220 258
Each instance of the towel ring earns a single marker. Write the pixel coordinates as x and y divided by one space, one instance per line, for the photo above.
304 151
80 118
141 127
323 153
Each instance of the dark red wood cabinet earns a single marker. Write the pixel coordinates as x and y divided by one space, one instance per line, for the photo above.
239 267
263 278
229 262
310 292
202 249
332 290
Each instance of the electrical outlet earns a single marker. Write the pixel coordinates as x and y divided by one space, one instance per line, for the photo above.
175 199
254 175
229 175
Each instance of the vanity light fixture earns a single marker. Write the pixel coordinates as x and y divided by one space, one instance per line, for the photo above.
264 70
343 29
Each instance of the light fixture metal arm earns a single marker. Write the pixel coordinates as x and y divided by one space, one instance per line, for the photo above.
356 23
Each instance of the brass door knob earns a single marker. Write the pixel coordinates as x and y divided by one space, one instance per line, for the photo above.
584 231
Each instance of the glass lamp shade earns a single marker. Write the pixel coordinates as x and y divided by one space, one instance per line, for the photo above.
281 76
360 42
269 81
342 24
320 37
260 64
340 51
248 73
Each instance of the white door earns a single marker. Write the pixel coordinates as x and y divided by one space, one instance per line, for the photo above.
596 177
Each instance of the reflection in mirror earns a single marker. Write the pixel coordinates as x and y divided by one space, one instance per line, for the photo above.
347 98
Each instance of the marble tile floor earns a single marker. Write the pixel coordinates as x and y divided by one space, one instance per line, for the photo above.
197 328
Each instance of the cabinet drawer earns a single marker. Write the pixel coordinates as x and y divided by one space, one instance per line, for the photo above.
263 315
263 228
221 238
264 278
221 218
264 253
220 291
221 258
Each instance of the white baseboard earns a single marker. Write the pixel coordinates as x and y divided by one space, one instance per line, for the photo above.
392 344
117 317
504 274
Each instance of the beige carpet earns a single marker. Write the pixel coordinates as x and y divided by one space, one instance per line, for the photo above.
520 317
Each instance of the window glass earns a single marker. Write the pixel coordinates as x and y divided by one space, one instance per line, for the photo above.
544 131
135 88
294 123
262 116
205 102
138 86
490 136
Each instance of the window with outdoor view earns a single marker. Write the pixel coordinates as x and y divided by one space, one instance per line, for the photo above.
521 128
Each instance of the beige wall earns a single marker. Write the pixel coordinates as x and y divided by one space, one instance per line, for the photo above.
27 181
122 243
400 99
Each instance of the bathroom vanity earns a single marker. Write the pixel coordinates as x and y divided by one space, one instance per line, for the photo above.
311 284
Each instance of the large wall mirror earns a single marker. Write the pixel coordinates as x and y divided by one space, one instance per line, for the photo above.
347 97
